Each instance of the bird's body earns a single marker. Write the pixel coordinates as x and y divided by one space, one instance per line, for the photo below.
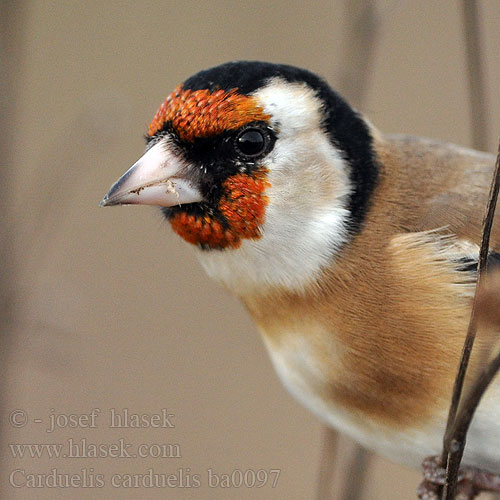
353 251
374 349
372 346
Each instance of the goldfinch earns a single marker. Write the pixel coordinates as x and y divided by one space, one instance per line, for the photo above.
354 251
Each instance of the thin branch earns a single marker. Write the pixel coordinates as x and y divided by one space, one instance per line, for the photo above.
475 72
454 439
479 127
353 490
462 424
358 49
354 468
457 425
328 452
12 59
472 401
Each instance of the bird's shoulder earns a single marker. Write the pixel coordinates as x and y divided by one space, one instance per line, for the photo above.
437 185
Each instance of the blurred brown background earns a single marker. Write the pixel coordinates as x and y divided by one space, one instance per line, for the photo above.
107 308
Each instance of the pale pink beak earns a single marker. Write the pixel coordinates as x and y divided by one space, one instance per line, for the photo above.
157 178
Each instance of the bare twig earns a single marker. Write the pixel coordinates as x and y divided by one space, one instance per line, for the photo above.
358 49
475 72
458 423
330 444
11 63
472 401
354 468
357 467
452 455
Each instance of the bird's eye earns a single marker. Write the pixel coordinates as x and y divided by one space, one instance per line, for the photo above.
252 142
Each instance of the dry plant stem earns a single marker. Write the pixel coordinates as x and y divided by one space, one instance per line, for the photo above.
353 488
355 468
330 444
11 67
358 49
451 448
475 72
457 425
463 422
472 401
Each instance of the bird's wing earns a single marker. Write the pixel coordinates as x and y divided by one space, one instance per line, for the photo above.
454 184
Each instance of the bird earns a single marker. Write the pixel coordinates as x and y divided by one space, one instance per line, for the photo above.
354 251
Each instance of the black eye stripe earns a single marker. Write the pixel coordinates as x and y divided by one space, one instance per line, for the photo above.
211 160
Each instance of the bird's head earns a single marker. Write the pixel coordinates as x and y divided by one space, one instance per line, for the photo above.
262 167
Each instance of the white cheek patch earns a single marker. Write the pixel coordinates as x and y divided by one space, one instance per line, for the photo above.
306 218
292 106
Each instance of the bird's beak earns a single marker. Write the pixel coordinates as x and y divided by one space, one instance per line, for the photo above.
158 178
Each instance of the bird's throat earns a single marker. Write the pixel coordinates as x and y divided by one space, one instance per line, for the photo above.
239 214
